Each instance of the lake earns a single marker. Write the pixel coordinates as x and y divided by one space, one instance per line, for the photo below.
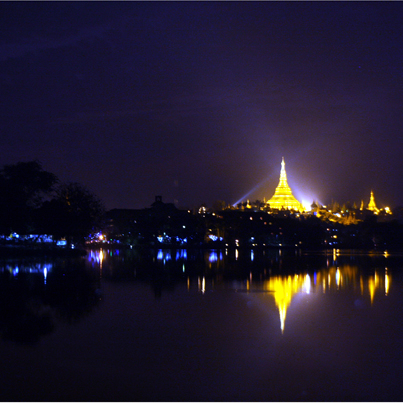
203 325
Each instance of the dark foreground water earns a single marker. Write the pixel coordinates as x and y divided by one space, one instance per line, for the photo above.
203 325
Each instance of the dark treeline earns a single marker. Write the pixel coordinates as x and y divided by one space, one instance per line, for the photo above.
34 201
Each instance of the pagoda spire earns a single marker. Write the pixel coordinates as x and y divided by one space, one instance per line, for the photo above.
283 197
371 204
283 175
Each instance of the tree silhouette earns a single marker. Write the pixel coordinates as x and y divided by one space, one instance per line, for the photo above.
72 213
23 188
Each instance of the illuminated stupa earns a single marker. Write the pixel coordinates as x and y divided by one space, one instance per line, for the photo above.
371 204
283 197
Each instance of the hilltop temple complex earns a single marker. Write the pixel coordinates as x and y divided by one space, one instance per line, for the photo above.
283 200
283 197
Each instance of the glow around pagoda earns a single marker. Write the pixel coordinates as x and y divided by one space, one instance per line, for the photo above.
283 197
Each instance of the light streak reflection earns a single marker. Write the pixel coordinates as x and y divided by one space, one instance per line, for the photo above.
284 288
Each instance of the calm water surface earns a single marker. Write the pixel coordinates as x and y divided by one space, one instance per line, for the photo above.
203 325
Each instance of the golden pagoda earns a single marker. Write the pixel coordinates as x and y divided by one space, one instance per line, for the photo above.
371 204
283 197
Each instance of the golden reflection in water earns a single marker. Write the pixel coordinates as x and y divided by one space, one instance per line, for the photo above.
333 279
386 281
201 284
283 289
338 278
334 255
101 258
373 285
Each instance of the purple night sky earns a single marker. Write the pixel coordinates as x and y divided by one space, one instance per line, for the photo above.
199 102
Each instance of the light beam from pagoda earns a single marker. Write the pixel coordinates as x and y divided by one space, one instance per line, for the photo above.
245 196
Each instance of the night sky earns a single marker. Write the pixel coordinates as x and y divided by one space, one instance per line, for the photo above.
198 102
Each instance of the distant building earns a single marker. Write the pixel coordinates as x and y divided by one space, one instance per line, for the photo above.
160 223
283 197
